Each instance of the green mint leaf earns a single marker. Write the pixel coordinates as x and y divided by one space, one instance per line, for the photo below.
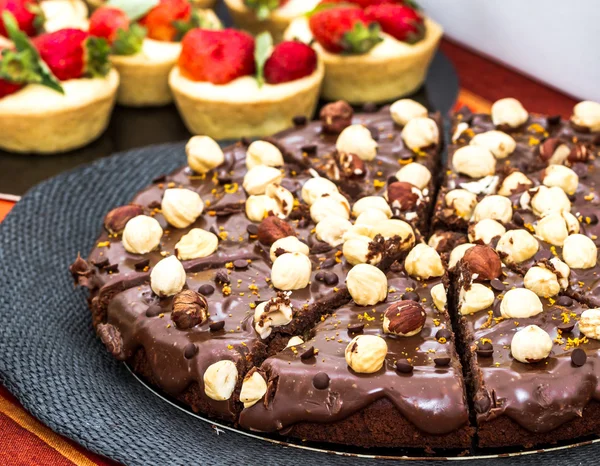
262 51
134 9
23 44
129 42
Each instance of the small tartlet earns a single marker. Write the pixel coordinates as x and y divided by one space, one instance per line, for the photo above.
390 70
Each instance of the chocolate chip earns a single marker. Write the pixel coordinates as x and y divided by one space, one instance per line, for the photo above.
566 327
578 357
206 289
392 179
485 350
553 120
564 301
309 353
112 268
245 141
216 326
299 120
331 279
356 328
497 285
411 296
328 263
543 254
593 219
141 265
222 277
321 381
190 351
518 219
442 361
101 264
154 310
309 149
369 107
252 229
443 333
404 367
374 132
241 264
154 205
482 405
572 197
320 276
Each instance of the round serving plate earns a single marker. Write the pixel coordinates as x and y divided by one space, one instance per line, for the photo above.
51 360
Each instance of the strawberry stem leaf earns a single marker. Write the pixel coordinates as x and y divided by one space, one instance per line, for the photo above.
263 8
134 9
19 67
97 63
262 51
362 38
199 19
129 42
328 6
23 45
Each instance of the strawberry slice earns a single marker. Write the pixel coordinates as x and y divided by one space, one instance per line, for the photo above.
344 30
263 8
27 13
290 61
400 21
73 54
218 57
113 24
160 22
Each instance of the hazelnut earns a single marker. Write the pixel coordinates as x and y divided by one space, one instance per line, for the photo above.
260 177
493 207
357 140
589 323
514 183
273 228
579 153
403 195
586 114
458 253
259 207
404 318
580 252
474 161
351 165
294 341
189 309
416 174
288 244
203 154
483 261
371 202
509 112
220 380
142 234
263 153
439 297
420 133
517 246
181 207
167 277
543 200
520 303
462 202
367 284
554 228
404 110
283 198
542 282
116 219
197 243
424 262
393 227
562 272
113 340
445 241
291 271
477 298
531 344
315 188
276 312
554 151
366 354
254 387
332 229
497 142
358 250
358 230
336 116
371 217
485 231
332 205
561 176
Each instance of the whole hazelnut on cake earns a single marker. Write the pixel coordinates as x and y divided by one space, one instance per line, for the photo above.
404 318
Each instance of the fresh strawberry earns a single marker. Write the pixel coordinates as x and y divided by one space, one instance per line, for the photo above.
290 61
106 22
364 3
161 20
264 8
8 88
73 54
218 57
26 12
342 29
399 21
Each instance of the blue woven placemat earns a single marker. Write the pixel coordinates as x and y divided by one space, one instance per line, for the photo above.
52 362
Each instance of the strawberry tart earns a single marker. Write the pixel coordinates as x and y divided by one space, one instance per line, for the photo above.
273 16
373 50
57 91
229 85
145 45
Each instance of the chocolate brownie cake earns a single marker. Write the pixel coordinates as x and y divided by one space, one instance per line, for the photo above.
313 284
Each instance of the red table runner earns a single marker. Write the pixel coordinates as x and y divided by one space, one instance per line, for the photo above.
25 441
